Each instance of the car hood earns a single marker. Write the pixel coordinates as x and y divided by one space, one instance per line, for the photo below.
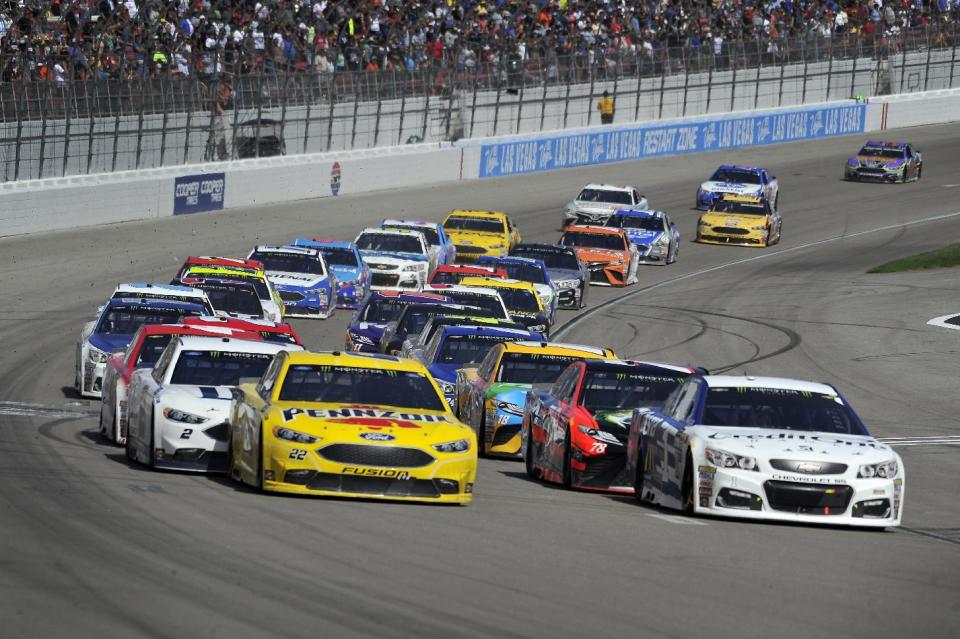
392 258
590 255
597 207
475 237
218 396
446 372
876 161
732 187
110 343
733 219
364 424
643 236
371 331
346 273
286 279
766 443
560 274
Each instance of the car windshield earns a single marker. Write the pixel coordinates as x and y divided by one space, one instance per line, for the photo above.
147 295
486 305
289 262
340 257
552 257
603 195
126 320
532 368
636 222
430 234
263 292
518 299
618 390
236 299
782 409
524 272
389 243
382 311
477 224
415 319
447 277
593 240
740 208
882 152
218 368
467 349
737 176
278 337
150 350
364 386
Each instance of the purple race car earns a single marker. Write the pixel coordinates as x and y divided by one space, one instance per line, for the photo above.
885 162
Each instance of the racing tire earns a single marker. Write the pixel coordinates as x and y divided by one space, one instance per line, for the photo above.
776 201
528 458
583 293
482 436
638 476
128 448
258 481
153 450
566 478
779 232
686 488
919 172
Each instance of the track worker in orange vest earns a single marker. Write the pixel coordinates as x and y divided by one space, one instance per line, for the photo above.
605 106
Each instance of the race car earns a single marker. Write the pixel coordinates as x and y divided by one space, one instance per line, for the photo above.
269 297
486 299
655 236
521 300
764 448
119 319
177 411
885 162
575 432
441 247
415 343
609 254
378 308
453 273
351 425
145 348
230 298
344 261
397 259
171 292
742 220
412 319
597 202
249 266
477 233
527 269
267 330
451 348
491 397
751 181
568 273
300 275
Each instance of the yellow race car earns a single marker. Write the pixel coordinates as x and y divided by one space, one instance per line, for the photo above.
351 425
476 233
520 298
742 220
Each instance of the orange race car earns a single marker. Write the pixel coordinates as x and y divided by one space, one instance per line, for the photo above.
607 252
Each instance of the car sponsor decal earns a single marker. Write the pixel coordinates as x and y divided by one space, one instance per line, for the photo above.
377 437
363 416
377 472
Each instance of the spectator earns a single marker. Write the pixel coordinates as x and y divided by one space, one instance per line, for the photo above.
605 106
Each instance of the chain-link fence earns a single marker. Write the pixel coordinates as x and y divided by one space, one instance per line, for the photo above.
52 129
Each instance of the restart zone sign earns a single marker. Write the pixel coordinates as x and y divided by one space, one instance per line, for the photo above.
198 193
715 134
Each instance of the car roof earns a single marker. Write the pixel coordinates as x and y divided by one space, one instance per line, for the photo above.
226 270
222 261
192 329
500 331
408 296
492 282
423 223
231 344
459 288
594 230
543 247
638 213
474 213
608 187
889 145
556 348
622 365
292 250
357 360
733 197
133 287
737 167
509 259
325 242
154 304
784 383
377 229
465 268
252 324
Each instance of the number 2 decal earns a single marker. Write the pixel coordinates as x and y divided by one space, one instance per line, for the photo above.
186 433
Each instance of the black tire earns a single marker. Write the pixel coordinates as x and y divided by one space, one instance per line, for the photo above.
153 450
528 457
482 436
567 481
686 490
638 477
919 172
776 202
583 296
128 447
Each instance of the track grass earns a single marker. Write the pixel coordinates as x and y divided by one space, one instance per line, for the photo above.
945 257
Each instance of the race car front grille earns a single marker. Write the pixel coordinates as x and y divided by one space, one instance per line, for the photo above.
809 468
218 432
731 230
599 276
567 297
605 471
290 296
504 434
464 251
372 455
384 279
380 486
808 499
730 240
380 266
592 218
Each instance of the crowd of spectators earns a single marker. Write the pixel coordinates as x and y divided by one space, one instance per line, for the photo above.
59 40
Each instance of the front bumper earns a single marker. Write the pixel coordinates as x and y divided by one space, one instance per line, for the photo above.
866 174
298 304
396 280
608 276
647 254
595 218
723 235
875 503
449 478
502 431
349 295
200 448
91 379
569 297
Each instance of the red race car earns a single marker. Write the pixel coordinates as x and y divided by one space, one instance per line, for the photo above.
575 432
268 331
145 348
453 273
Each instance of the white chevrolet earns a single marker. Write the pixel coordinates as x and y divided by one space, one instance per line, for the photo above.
597 202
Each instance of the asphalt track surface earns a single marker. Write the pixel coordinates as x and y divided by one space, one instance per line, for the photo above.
91 546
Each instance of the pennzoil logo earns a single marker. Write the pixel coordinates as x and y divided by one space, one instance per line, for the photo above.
388 473
372 416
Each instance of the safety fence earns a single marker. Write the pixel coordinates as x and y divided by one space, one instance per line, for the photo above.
53 129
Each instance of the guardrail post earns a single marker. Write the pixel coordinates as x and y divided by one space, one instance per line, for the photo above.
496 110
66 127
333 100
590 100
926 72
566 101
686 87
853 78
543 102
166 110
756 86
636 106
616 81
733 82
285 97
520 102
473 108
426 108
236 116
140 124
403 107
195 85
709 89
356 109
376 121
43 128
829 76
306 124
90 135
953 59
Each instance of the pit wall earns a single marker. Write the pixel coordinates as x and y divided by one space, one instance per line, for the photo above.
32 206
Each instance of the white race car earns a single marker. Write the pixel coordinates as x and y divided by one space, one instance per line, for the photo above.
397 258
752 181
300 275
597 202
764 448
177 411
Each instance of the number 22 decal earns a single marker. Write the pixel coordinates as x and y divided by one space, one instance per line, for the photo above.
297 453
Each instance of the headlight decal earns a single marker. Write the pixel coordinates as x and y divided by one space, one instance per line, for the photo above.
883 470
723 459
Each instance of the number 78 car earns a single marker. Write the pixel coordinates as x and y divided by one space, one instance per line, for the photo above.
764 448
351 425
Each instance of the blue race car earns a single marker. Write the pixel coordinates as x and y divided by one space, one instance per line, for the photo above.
437 240
343 259
375 311
528 269
454 347
114 328
655 236
885 162
301 278
752 181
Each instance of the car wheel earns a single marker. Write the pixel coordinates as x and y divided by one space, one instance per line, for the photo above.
776 202
258 482
583 293
919 172
128 447
528 458
482 436
686 491
638 476
153 449
567 481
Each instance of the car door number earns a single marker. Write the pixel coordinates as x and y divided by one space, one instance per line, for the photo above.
298 454
186 433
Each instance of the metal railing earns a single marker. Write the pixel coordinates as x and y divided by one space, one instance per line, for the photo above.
53 129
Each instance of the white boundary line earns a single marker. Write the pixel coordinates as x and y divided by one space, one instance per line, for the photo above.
942 321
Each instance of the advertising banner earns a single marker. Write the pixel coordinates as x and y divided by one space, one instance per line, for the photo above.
198 193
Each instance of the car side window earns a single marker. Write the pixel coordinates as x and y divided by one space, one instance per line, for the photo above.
430 350
265 386
688 402
563 387
163 362
485 370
